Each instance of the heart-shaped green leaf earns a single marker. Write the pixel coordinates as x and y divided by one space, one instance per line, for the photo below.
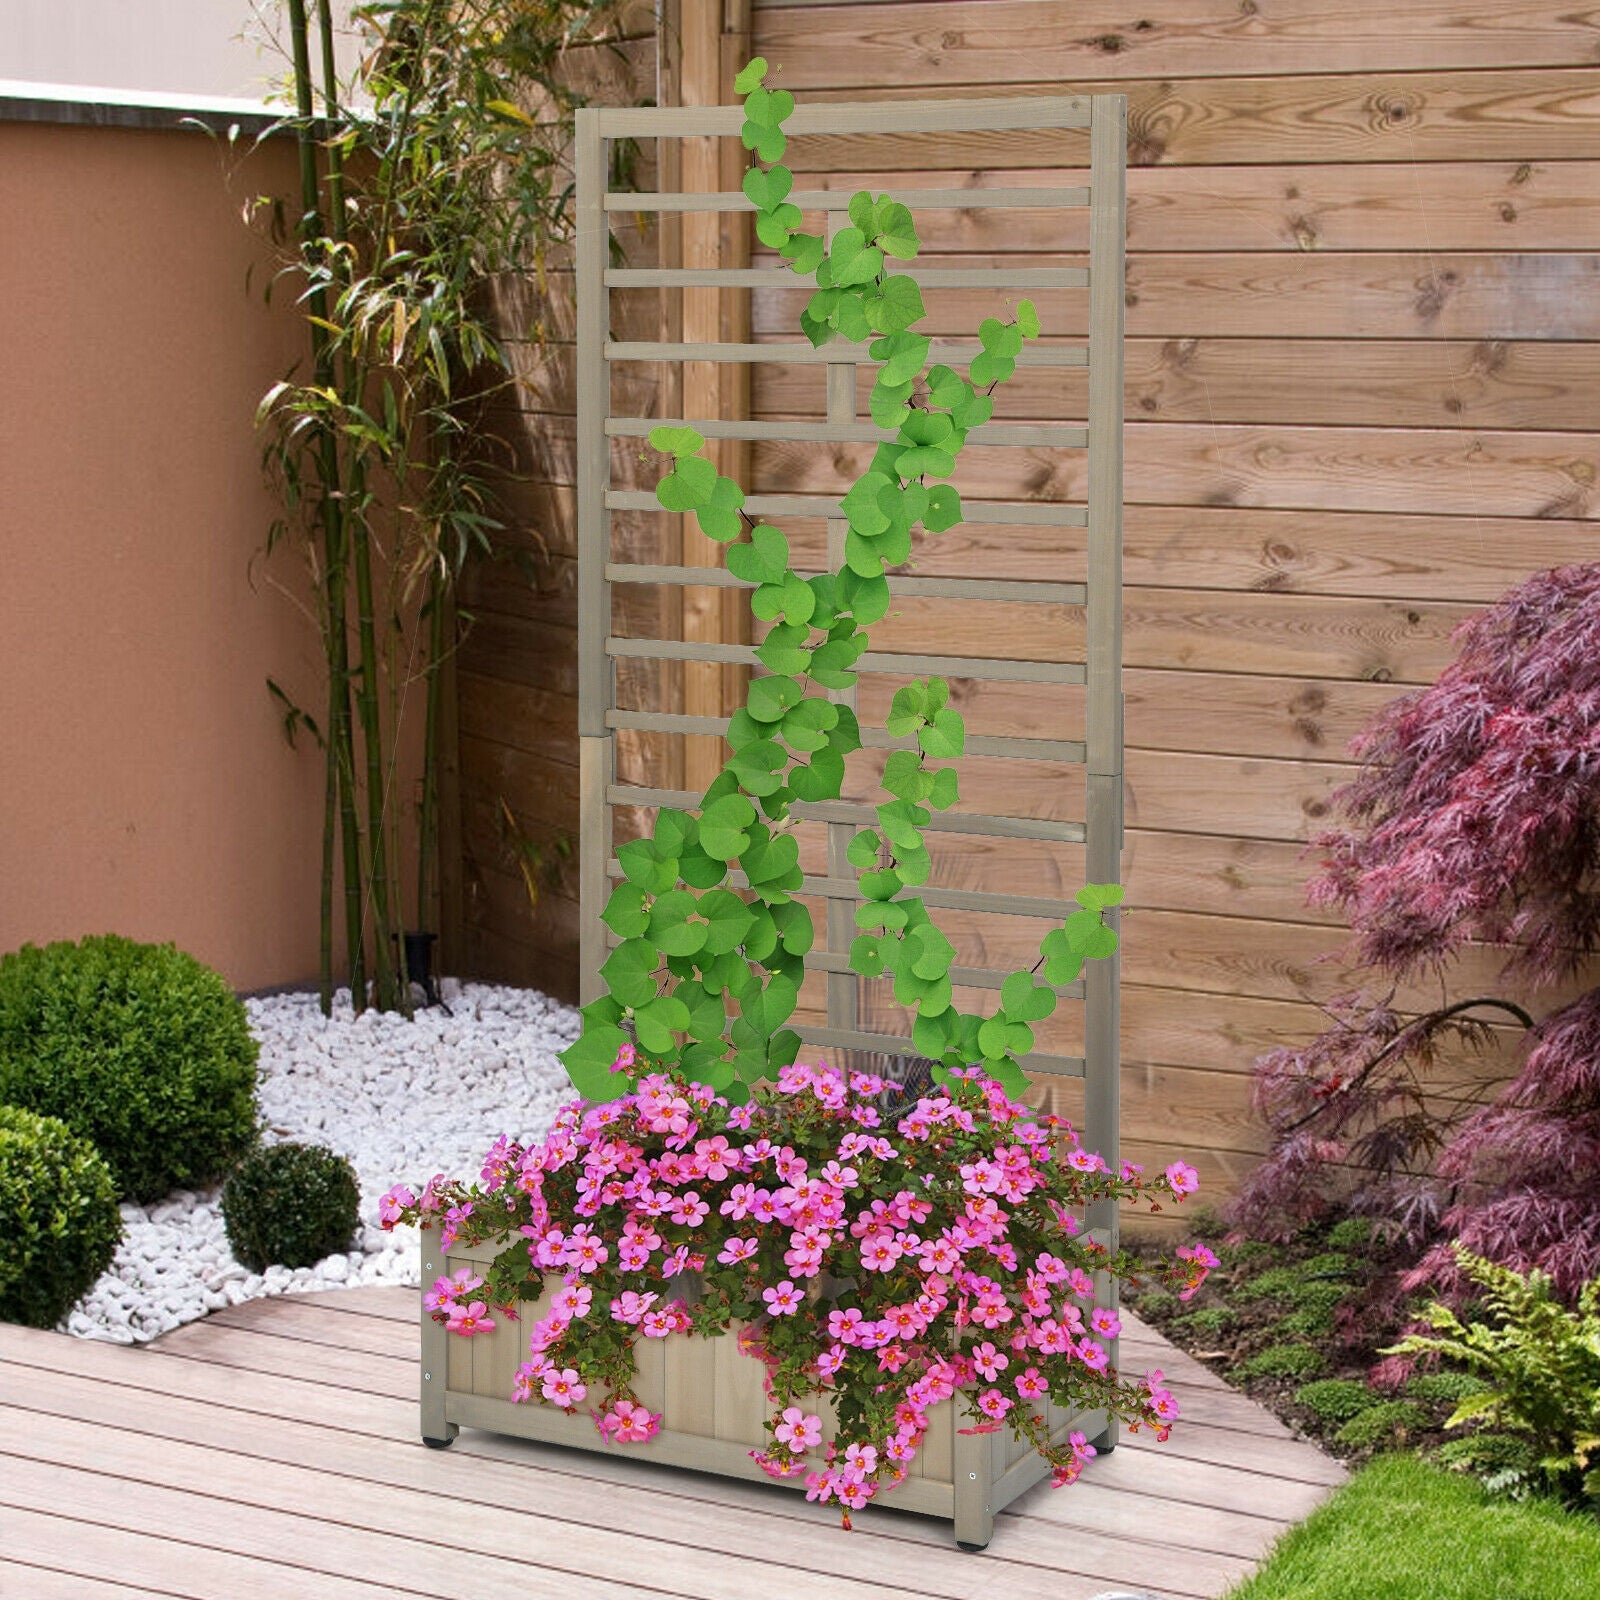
895 306
1027 319
783 650
804 252
625 913
945 791
852 260
1023 1000
721 520
767 190
728 919
869 599
770 697
589 1060
629 971
772 227
772 861
866 955
676 441
1062 963
769 108
946 738
1097 896
896 229
657 1021
688 486
643 864
765 559
944 509
905 710
831 662
888 402
759 766
767 142
750 75
903 356
674 930
805 726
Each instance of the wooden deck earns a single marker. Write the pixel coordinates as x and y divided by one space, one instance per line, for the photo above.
271 1451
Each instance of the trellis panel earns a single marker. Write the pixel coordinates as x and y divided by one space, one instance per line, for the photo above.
1100 121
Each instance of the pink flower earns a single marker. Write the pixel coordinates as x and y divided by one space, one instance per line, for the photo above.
736 1250
798 1430
783 1299
988 1361
1031 1385
1182 1178
563 1388
1093 1355
470 1319
631 1307
393 1204
994 1404
628 1422
572 1302
1105 1322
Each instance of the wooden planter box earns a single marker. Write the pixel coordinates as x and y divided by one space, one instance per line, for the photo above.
713 1410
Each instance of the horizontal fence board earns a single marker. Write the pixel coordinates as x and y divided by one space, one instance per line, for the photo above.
932 197
1502 204
862 47
1408 383
1309 294
1312 115
1537 475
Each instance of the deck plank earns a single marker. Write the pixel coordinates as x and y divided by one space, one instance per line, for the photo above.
276 1444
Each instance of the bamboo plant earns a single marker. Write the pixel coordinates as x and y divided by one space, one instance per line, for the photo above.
440 169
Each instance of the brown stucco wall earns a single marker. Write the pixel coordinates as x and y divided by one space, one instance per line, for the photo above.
145 786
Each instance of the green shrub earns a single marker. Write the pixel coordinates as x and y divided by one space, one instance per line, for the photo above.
59 1222
1386 1423
137 1048
1211 1323
1444 1388
1206 1222
1507 1457
290 1205
1540 1362
1334 1399
1350 1233
1283 1361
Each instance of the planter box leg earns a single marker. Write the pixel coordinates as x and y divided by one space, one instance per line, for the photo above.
436 1432
974 1460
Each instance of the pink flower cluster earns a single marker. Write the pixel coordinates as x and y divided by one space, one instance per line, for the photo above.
901 1259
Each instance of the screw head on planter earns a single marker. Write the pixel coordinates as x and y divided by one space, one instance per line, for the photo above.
290 1205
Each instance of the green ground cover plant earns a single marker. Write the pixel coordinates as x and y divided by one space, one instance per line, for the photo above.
59 1221
139 1049
1403 1530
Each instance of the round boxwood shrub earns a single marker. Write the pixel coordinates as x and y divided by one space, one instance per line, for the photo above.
137 1048
59 1222
290 1205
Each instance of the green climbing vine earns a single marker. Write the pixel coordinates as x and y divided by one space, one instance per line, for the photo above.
707 978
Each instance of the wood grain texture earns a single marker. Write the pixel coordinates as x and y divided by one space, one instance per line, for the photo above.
1001 42
1422 293
1312 115
1454 205
1476 474
1409 383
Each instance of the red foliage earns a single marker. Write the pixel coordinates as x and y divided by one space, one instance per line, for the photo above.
1475 817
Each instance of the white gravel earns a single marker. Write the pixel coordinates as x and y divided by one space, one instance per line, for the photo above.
402 1100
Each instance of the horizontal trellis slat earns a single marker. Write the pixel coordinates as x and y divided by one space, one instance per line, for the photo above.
1014 198
995 513
744 655
782 277
896 116
940 350
1022 590
993 827
1065 750
1050 436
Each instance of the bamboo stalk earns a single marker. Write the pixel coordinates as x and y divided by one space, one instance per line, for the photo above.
340 756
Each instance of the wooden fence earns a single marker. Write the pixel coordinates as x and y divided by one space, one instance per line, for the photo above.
1362 313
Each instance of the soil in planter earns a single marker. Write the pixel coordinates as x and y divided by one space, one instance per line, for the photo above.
1299 1326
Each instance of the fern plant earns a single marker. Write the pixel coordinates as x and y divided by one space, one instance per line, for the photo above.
1541 1363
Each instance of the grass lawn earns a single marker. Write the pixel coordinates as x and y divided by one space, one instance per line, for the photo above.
1402 1530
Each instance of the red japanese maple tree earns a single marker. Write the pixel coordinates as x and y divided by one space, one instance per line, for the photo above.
1475 818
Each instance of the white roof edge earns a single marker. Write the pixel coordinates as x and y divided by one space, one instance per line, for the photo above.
76 94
